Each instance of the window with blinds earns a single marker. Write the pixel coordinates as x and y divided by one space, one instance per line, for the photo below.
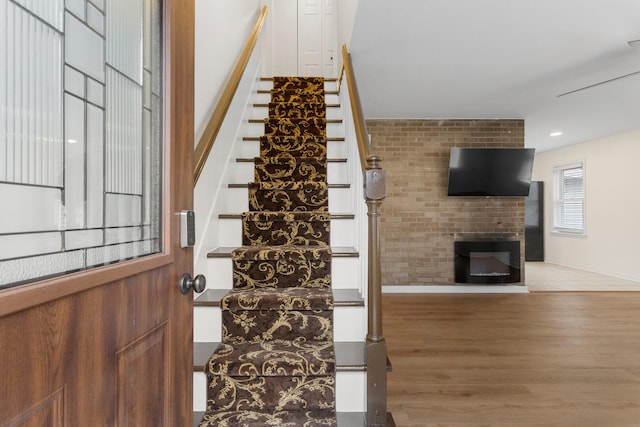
569 199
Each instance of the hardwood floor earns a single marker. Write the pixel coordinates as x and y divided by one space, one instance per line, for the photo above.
542 359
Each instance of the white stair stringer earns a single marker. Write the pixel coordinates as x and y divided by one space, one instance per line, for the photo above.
348 243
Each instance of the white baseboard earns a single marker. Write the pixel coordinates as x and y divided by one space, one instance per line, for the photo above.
456 289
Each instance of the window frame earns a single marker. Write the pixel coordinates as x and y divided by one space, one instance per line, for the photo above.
558 201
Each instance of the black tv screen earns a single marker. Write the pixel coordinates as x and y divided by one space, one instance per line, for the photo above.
487 172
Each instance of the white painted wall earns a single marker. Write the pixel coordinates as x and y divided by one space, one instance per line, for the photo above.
612 205
346 17
221 30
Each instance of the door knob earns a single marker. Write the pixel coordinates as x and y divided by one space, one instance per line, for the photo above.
186 283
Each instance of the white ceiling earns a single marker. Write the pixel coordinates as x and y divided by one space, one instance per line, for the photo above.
442 59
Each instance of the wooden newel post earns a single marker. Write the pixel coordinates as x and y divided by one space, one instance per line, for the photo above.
376 346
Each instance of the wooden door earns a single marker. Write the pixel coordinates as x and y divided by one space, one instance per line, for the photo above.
112 346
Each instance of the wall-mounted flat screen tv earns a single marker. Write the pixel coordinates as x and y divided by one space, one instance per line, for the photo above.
490 172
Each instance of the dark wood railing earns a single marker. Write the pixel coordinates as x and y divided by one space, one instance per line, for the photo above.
374 194
205 144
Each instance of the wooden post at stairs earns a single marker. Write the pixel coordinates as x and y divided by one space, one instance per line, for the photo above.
376 345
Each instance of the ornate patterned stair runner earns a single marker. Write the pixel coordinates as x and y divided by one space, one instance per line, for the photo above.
276 363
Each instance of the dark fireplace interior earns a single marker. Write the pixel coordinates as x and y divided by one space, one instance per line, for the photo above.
495 261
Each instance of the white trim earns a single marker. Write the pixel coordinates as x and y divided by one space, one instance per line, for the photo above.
456 289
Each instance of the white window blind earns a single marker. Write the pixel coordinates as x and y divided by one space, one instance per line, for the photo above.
569 199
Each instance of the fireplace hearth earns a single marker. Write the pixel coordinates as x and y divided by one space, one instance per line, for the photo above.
488 262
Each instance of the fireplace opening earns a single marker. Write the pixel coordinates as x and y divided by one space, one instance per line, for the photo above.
487 261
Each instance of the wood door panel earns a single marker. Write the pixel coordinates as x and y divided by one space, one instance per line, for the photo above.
142 365
86 344
49 412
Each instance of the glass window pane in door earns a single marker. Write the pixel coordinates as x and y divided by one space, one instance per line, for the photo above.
80 135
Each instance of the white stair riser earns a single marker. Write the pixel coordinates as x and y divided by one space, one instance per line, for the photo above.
336 149
237 200
344 273
351 388
219 273
199 392
342 232
349 324
334 113
337 172
340 200
207 324
230 232
350 391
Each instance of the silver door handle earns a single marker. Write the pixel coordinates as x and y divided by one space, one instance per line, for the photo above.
198 284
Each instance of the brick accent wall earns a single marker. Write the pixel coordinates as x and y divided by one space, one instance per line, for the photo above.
419 221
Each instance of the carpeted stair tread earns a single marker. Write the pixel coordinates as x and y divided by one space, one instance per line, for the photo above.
267 394
275 299
260 253
308 88
282 267
286 228
309 84
289 185
277 314
287 216
297 110
314 147
318 418
296 96
296 127
289 196
274 359
257 325
287 168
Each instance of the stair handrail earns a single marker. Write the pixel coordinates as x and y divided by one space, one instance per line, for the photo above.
205 143
374 194
362 136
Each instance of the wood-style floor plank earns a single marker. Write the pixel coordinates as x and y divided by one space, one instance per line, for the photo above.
544 359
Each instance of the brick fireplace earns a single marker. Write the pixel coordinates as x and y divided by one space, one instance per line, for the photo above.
420 223
487 261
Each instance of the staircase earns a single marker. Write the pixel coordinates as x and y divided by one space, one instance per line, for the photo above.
281 330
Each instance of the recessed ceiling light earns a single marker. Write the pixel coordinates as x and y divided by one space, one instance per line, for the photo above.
555 134
72 141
